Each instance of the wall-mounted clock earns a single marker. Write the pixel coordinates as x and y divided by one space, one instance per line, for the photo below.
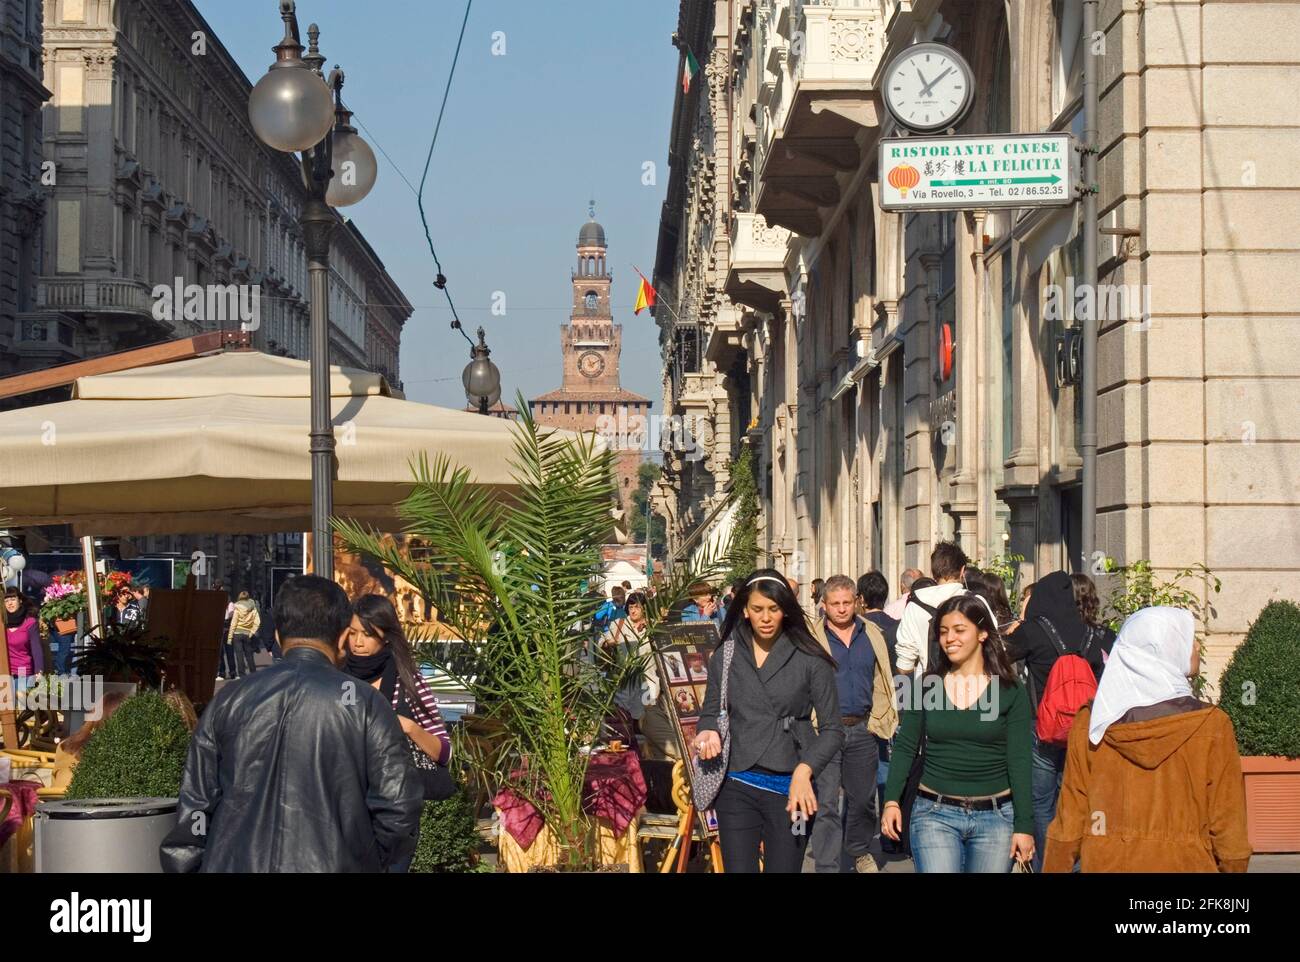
929 87
591 364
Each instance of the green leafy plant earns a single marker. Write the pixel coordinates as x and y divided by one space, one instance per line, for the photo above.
1139 586
138 752
449 838
1007 568
509 579
743 556
1260 689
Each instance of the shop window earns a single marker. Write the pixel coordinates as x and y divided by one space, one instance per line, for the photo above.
945 347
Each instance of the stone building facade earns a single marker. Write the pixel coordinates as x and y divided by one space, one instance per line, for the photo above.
706 376
158 175
903 368
22 196
591 397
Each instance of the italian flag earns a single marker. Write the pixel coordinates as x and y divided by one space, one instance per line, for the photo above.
645 295
689 69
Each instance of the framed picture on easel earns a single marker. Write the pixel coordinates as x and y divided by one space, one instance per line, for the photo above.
682 654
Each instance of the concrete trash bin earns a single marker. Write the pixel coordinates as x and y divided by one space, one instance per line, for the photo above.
102 834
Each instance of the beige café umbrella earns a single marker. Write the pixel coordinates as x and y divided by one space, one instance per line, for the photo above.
219 444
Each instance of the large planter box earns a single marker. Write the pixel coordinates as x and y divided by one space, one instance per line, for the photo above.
1272 802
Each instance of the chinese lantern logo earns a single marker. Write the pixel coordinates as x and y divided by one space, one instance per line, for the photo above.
903 178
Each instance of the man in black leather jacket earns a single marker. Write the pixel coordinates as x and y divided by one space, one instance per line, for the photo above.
297 768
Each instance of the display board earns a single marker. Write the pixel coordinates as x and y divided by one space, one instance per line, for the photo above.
682 654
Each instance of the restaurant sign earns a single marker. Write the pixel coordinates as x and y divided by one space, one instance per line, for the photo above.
991 170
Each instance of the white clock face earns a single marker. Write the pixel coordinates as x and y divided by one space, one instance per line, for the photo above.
928 87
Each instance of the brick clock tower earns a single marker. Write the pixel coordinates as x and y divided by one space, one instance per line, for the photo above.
590 398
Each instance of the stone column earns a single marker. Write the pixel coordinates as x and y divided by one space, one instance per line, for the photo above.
97 228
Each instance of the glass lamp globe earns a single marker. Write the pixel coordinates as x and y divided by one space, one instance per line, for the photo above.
481 378
291 109
355 170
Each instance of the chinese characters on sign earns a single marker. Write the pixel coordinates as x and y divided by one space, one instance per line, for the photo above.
995 170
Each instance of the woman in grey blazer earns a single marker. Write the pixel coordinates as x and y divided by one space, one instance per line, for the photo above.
779 676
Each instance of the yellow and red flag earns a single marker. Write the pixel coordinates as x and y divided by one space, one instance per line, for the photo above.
645 295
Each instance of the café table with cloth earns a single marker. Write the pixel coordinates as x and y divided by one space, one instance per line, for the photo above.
614 792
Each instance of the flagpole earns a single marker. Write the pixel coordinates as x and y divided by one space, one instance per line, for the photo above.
675 315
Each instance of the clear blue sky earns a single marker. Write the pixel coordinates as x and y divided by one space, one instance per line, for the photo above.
581 99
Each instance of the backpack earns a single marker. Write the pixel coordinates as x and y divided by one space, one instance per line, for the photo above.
932 643
604 616
1071 684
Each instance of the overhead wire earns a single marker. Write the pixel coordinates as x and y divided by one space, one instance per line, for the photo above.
441 281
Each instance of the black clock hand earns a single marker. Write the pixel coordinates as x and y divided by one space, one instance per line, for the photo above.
930 86
922 76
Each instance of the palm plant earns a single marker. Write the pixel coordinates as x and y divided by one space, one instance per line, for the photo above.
510 578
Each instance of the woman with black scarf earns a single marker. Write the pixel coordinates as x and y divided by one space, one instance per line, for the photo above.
1051 607
377 653
22 636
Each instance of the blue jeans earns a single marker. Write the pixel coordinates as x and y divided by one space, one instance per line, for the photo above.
947 838
1048 770
61 652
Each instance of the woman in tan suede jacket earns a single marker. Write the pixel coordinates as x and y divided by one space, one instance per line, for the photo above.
1152 776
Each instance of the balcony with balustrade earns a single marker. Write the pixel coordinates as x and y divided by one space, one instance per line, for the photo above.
94 295
120 312
756 272
816 102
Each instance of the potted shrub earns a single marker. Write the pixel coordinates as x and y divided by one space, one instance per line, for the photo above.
121 801
1261 694
510 580
449 838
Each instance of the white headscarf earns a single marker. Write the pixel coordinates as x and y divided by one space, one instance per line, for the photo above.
1148 664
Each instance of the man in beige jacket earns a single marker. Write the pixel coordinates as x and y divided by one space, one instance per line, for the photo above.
866 695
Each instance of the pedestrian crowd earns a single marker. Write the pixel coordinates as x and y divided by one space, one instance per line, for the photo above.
943 725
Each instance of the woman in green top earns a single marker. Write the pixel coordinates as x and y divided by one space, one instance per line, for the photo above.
973 811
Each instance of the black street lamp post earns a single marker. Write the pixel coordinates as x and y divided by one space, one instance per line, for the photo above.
294 108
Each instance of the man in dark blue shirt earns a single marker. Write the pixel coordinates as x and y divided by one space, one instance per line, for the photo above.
846 634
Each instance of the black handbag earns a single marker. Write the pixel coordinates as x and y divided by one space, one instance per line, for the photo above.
436 779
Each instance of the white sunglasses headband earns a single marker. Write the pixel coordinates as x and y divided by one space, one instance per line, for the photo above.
984 601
